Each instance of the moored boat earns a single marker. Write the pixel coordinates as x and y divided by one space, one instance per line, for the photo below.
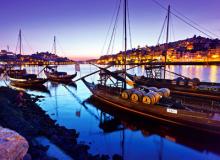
53 75
181 86
149 103
207 122
26 80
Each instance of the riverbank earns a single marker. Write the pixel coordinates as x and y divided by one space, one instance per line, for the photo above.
31 121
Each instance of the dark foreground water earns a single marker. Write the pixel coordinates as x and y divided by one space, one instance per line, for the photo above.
134 139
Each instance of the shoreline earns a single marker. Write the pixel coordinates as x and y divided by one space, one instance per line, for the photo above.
31 121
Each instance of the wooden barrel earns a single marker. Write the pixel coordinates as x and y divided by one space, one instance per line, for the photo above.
164 92
146 99
190 83
215 88
157 96
155 89
137 96
127 93
151 98
182 82
177 80
196 81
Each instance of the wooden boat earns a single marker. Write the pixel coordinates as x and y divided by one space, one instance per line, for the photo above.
186 87
53 75
208 122
26 80
19 77
12 71
142 104
120 119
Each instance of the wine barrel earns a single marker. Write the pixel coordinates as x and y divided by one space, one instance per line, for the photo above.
190 83
155 89
137 95
146 99
157 96
151 98
196 81
127 93
215 88
182 82
164 92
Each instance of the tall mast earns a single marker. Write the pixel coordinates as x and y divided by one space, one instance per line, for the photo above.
8 48
20 42
54 45
167 39
125 39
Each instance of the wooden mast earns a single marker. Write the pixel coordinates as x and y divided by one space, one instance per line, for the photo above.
125 39
167 39
54 45
20 42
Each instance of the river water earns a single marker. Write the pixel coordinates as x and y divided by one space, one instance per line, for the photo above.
133 139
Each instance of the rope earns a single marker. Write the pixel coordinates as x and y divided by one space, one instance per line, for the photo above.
129 25
161 32
28 45
114 28
115 11
60 47
17 46
182 19
113 43
195 23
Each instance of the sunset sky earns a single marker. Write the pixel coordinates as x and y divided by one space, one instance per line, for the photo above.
81 26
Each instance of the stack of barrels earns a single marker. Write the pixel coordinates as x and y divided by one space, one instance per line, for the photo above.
150 95
185 82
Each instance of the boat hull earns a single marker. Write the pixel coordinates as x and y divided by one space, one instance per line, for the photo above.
19 82
61 79
178 117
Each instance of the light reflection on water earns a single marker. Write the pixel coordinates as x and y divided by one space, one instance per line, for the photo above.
69 108
204 73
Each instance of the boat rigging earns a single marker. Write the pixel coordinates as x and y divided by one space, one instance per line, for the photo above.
149 102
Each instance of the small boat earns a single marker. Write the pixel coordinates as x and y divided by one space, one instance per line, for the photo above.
53 75
19 77
13 71
26 80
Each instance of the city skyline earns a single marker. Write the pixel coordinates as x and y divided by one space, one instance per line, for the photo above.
81 27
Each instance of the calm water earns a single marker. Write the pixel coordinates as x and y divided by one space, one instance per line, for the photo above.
72 107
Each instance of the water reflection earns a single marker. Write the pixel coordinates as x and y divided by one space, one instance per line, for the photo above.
110 132
213 73
204 73
40 88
